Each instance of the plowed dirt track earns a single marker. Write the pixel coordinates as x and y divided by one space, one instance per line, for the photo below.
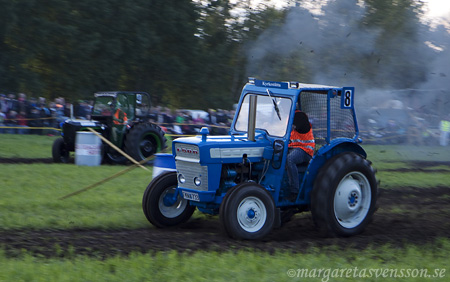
405 215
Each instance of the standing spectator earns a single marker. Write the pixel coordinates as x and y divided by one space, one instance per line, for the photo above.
221 117
3 111
54 120
22 104
212 119
221 122
3 104
21 122
153 115
11 121
65 107
44 113
68 109
198 120
2 121
188 127
35 120
179 120
159 115
81 110
168 119
444 127
12 103
59 113
89 107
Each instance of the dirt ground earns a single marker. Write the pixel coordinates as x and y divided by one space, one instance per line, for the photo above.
405 215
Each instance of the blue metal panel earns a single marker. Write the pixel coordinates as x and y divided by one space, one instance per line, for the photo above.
339 145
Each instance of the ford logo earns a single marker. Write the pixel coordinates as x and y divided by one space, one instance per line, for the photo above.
187 151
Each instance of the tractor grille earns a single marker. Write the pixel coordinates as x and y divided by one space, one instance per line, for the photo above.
190 171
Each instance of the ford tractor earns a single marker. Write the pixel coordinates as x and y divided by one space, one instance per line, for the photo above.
130 131
242 176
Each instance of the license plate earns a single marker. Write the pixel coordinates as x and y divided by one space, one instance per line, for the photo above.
191 196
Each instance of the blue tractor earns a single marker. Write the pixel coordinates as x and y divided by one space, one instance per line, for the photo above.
242 176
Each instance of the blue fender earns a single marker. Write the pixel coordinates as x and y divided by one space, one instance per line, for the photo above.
340 145
326 152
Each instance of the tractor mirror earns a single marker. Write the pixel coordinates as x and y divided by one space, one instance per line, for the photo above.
277 157
278 146
138 99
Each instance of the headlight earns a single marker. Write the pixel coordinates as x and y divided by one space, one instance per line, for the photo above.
197 181
181 178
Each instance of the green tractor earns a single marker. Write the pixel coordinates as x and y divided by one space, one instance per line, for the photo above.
122 117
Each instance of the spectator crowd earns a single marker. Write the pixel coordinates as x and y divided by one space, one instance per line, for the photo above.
19 115
189 122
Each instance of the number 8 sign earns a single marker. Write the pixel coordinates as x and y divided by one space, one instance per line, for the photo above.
347 97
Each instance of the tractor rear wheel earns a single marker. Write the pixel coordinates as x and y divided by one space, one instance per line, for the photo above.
248 212
60 153
144 140
344 196
162 206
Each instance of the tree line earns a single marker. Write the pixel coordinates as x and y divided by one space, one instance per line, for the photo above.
198 54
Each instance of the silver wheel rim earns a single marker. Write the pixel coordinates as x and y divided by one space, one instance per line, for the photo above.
251 214
352 199
174 210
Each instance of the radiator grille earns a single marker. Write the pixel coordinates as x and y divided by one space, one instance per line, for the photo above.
190 171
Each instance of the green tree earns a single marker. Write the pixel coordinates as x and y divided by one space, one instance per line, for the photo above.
73 48
400 56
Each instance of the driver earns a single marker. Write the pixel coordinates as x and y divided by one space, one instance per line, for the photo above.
119 116
119 119
301 149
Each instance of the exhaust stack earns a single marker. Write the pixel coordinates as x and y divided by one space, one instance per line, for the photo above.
252 118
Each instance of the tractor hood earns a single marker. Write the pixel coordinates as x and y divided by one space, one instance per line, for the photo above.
83 123
222 149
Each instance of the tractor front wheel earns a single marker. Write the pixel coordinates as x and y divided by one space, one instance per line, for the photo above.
60 153
111 156
344 195
248 212
162 205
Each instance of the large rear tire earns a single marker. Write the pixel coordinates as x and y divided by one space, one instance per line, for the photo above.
144 140
248 212
60 153
344 196
160 206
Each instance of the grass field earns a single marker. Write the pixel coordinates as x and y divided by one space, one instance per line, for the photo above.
376 264
26 146
30 200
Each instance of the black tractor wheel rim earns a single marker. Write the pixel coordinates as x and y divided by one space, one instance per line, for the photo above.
147 146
